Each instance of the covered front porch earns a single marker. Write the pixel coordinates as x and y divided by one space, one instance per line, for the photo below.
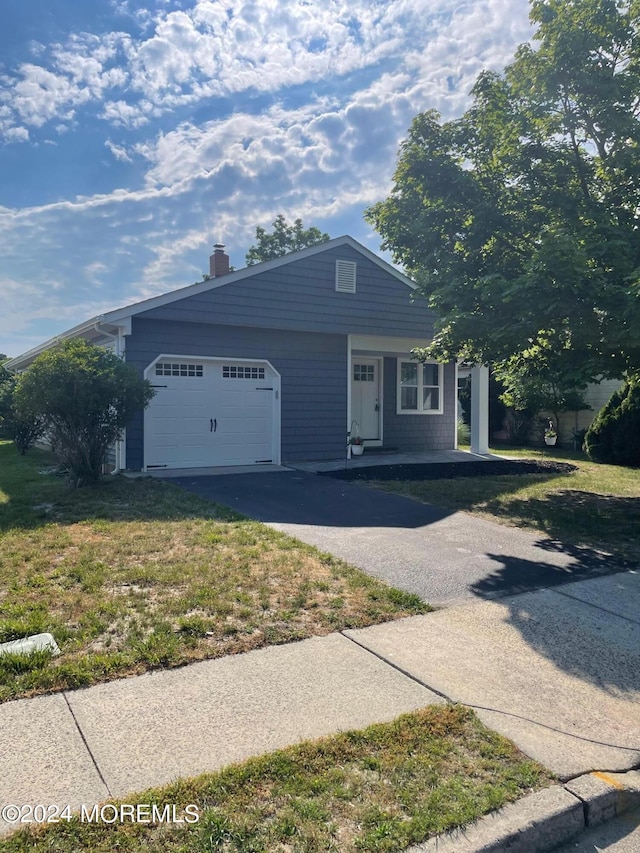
374 457
395 401
391 397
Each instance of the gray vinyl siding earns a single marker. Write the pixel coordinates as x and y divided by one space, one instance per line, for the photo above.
312 369
418 432
301 296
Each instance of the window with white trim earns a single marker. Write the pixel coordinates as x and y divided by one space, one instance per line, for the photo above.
238 371
419 388
166 368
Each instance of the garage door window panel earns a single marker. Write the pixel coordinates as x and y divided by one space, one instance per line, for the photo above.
186 370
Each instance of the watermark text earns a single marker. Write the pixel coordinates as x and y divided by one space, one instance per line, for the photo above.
107 813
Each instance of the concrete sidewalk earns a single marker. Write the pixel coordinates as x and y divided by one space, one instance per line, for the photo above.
558 671
113 739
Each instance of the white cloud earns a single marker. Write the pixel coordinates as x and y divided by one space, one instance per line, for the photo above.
321 156
122 114
118 151
26 303
16 134
95 272
214 50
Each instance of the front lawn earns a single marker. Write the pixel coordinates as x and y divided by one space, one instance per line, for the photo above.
380 789
595 506
137 574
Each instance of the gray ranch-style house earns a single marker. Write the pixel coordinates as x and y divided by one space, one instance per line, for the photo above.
279 362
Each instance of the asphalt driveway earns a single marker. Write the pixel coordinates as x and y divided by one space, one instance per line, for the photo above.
441 556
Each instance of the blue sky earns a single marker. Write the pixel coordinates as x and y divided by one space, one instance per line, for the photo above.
134 136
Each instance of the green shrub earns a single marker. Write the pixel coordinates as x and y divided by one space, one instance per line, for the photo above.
464 433
614 435
23 429
84 395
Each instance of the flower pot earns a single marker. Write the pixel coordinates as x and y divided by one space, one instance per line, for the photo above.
357 449
550 440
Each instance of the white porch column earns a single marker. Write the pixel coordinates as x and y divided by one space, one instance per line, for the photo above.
479 409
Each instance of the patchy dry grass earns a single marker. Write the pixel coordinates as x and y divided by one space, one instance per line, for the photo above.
380 789
596 506
139 574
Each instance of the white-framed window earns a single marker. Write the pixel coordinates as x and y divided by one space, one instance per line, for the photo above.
419 388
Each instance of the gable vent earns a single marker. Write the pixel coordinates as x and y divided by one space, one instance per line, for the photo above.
346 276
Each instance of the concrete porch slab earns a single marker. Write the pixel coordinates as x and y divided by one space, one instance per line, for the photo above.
378 457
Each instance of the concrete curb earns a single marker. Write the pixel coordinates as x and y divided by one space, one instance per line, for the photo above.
542 821
605 795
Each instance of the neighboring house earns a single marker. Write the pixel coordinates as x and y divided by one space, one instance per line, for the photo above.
279 362
596 396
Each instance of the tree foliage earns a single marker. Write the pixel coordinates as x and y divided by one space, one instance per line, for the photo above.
520 220
551 388
282 240
6 396
7 383
84 395
614 435
24 430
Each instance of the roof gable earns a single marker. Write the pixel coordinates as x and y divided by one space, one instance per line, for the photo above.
302 295
103 326
248 272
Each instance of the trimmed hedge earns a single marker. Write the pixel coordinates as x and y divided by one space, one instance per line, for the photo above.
614 435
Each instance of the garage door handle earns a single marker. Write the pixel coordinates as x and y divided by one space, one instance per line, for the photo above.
213 425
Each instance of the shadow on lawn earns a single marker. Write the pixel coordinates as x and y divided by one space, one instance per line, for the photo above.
35 496
607 522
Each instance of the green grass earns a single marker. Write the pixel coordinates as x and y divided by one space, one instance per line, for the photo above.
380 789
134 575
596 506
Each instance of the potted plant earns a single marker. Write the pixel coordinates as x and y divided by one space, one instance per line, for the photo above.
357 447
550 434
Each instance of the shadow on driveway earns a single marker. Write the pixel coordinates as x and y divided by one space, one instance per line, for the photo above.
520 575
296 497
440 555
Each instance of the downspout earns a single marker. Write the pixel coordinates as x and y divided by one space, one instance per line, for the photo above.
118 351
348 451
456 404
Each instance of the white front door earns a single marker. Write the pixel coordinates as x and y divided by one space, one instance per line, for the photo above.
366 400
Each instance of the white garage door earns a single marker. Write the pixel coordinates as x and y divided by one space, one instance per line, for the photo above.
211 412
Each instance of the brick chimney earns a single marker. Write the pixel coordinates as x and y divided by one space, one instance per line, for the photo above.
218 262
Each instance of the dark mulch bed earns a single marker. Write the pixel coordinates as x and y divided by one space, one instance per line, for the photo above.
450 470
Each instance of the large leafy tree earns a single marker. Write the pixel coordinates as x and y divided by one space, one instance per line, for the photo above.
520 220
283 239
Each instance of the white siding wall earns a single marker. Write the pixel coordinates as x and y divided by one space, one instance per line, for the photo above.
596 395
